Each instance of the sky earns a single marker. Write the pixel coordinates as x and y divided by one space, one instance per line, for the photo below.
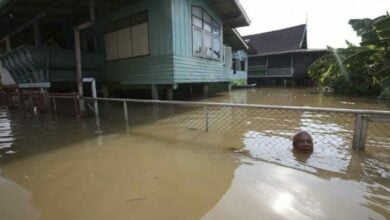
327 20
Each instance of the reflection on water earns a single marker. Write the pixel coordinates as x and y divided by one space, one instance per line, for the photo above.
5 132
297 97
265 191
15 201
68 169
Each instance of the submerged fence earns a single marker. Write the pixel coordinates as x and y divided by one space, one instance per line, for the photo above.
269 125
264 124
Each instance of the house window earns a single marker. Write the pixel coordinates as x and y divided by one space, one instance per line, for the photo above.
243 65
206 35
127 37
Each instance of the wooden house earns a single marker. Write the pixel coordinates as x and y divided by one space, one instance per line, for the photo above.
281 56
123 43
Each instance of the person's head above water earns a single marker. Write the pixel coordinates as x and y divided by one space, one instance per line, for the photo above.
303 142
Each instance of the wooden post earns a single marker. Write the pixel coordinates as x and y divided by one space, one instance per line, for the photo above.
76 100
125 111
205 90
360 132
170 94
94 95
155 94
79 74
79 70
246 64
206 118
54 104
46 102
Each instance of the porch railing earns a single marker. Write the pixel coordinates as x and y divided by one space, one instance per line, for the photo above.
270 72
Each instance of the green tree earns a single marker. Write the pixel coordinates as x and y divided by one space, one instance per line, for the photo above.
359 70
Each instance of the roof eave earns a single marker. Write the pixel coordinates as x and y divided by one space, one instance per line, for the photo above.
244 44
289 52
236 41
233 13
245 16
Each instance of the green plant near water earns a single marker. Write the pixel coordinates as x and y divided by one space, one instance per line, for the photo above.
359 70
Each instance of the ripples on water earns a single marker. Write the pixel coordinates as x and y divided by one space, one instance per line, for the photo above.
262 177
6 135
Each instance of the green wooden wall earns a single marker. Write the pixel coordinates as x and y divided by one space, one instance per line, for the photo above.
170 36
188 69
157 68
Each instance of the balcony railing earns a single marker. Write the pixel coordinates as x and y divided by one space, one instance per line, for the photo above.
29 65
262 71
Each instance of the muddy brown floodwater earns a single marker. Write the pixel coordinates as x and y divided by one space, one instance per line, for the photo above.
62 168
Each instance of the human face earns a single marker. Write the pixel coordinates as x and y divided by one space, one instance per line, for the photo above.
303 142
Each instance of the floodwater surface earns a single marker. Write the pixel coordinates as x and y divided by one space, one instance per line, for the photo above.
298 97
64 168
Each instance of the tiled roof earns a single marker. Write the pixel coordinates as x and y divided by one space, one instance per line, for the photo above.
292 38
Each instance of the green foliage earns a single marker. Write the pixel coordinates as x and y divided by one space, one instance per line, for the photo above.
358 70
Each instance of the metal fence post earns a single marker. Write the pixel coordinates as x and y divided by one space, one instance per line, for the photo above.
206 117
125 111
54 104
96 107
360 132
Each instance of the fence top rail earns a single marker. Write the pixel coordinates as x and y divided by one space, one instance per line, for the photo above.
273 107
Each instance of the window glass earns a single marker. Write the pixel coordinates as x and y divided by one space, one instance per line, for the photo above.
208 45
228 57
197 11
197 41
217 48
140 39
206 35
207 17
207 27
215 23
243 65
216 30
196 21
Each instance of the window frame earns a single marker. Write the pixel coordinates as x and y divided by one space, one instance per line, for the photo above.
214 25
116 26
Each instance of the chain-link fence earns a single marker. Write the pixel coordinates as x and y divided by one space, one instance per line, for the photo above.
264 125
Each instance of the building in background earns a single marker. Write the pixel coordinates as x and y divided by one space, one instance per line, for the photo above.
281 57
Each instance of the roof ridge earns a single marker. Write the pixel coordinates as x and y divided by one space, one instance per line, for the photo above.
268 32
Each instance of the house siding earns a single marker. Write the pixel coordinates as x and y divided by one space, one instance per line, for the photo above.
187 68
197 70
170 36
157 67
141 70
